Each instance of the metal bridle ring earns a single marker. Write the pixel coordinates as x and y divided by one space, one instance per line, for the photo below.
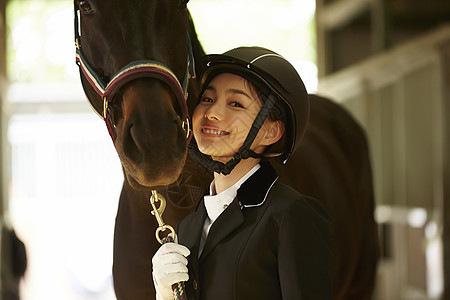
105 107
164 228
187 127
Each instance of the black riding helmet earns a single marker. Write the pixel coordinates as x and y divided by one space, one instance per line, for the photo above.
282 85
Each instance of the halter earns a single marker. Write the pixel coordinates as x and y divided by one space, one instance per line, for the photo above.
133 70
107 91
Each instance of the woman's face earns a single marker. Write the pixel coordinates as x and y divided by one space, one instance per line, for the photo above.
224 116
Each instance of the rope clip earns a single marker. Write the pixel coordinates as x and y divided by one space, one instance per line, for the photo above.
157 212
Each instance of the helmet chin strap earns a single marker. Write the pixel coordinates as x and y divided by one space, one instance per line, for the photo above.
244 152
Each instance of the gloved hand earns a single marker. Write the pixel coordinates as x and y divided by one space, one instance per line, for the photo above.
169 267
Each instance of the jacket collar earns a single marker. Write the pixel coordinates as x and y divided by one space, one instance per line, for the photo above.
216 203
254 191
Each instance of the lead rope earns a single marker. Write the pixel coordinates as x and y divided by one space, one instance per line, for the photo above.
179 289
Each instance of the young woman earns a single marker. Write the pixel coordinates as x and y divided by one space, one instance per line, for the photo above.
250 236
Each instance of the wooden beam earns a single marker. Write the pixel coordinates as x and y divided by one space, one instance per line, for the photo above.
382 69
341 12
324 57
3 87
381 25
446 171
3 37
330 17
5 273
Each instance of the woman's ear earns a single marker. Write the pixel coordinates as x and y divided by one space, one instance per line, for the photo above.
274 132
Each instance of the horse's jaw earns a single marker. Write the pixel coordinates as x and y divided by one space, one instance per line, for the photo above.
155 167
157 178
150 139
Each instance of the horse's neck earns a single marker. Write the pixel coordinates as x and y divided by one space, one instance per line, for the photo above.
135 200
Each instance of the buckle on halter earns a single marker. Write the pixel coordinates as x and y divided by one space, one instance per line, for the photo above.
187 127
105 108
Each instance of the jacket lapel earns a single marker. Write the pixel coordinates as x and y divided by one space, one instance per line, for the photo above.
252 193
193 232
229 220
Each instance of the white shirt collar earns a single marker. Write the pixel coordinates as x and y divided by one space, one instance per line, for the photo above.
216 204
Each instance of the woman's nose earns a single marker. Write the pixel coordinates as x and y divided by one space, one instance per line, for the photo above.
214 112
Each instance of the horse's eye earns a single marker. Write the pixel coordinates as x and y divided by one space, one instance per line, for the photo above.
85 7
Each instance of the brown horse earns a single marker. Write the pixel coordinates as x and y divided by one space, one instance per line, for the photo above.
144 113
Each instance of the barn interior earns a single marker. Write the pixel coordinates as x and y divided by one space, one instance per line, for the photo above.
386 61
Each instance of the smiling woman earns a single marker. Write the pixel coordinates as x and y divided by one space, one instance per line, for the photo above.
225 113
65 175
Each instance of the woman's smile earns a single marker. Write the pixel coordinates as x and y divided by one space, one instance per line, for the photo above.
209 131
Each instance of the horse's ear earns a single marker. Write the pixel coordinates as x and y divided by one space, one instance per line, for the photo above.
183 3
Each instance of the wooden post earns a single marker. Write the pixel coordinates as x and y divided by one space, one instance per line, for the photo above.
381 26
5 242
3 87
330 17
446 168
322 59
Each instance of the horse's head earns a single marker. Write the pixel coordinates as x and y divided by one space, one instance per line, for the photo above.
134 61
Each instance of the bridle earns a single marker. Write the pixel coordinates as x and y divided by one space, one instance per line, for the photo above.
133 70
107 91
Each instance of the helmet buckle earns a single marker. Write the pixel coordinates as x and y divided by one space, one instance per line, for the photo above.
244 153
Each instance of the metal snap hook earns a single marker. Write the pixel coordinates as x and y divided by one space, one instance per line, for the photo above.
157 212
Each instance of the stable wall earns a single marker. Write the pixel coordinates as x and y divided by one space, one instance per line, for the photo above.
402 99
3 87
4 254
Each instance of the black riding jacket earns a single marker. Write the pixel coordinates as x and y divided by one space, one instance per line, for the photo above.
270 243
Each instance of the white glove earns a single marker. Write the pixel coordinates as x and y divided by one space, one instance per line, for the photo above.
169 267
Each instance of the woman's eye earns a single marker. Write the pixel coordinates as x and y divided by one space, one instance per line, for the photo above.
236 104
206 99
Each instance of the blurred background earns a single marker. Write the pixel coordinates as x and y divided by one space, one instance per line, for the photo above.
387 61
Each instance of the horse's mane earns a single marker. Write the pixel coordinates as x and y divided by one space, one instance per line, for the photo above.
196 45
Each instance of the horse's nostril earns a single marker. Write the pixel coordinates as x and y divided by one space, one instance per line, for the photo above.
131 145
133 134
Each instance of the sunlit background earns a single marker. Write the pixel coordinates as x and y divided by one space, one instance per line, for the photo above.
66 176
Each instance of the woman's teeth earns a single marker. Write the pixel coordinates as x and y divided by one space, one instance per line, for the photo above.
215 132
